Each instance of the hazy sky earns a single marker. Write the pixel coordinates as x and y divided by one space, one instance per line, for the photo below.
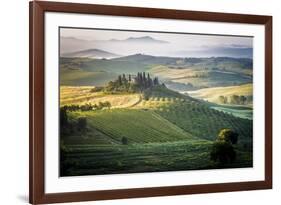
178 44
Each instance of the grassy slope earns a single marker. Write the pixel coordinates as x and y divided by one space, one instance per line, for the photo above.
237 111
187 75
95 72
170 156
212 94
96 65
138 126
169 131
85 78
90 159
186 113
82 94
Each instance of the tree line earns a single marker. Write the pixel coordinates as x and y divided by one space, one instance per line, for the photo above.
132 83
87 106
235 99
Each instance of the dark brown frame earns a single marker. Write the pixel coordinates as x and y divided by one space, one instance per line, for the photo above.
36 106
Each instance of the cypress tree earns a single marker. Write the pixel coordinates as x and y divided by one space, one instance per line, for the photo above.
119 80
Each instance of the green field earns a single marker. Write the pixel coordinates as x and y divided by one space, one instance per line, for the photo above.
166 132
170 125
97 72
200 72
199 77
170 156
138 126
237 111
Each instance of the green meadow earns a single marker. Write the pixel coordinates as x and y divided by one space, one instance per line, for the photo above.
134 114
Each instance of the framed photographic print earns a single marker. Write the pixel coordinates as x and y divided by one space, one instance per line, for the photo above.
139 102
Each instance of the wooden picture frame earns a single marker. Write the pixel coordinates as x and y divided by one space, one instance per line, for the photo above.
37 100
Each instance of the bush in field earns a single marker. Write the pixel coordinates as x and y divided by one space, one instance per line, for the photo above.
124 140
238 100
82 124
223 152
228 135
222 99
96 89
105 104
86 107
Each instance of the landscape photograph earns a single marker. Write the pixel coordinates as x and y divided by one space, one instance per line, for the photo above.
140 102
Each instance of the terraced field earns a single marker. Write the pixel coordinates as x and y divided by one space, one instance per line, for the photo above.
138 126
167 131
204 122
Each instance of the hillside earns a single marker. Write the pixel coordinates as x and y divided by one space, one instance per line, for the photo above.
193 78
179 74
187 113
138 126
148 59
213 94
167 132
90 53
94 72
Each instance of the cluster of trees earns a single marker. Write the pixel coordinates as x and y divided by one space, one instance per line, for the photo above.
223 150
144 81
235 99
87 106
121 84
130 83
69 126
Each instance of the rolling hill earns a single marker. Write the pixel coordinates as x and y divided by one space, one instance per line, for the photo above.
187 113
192 78
167 132
90 53
94 72
212 94
178 73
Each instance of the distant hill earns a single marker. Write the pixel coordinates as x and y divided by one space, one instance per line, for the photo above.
148 59
180 74
143 39
234 52
178 62
90 53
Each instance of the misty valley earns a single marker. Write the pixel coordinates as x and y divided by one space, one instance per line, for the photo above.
138 112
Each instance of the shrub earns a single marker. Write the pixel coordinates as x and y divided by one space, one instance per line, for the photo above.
124 140
228 135
82 124
223 152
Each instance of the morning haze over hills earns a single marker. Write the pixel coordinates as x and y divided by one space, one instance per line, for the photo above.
132 100
125 43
